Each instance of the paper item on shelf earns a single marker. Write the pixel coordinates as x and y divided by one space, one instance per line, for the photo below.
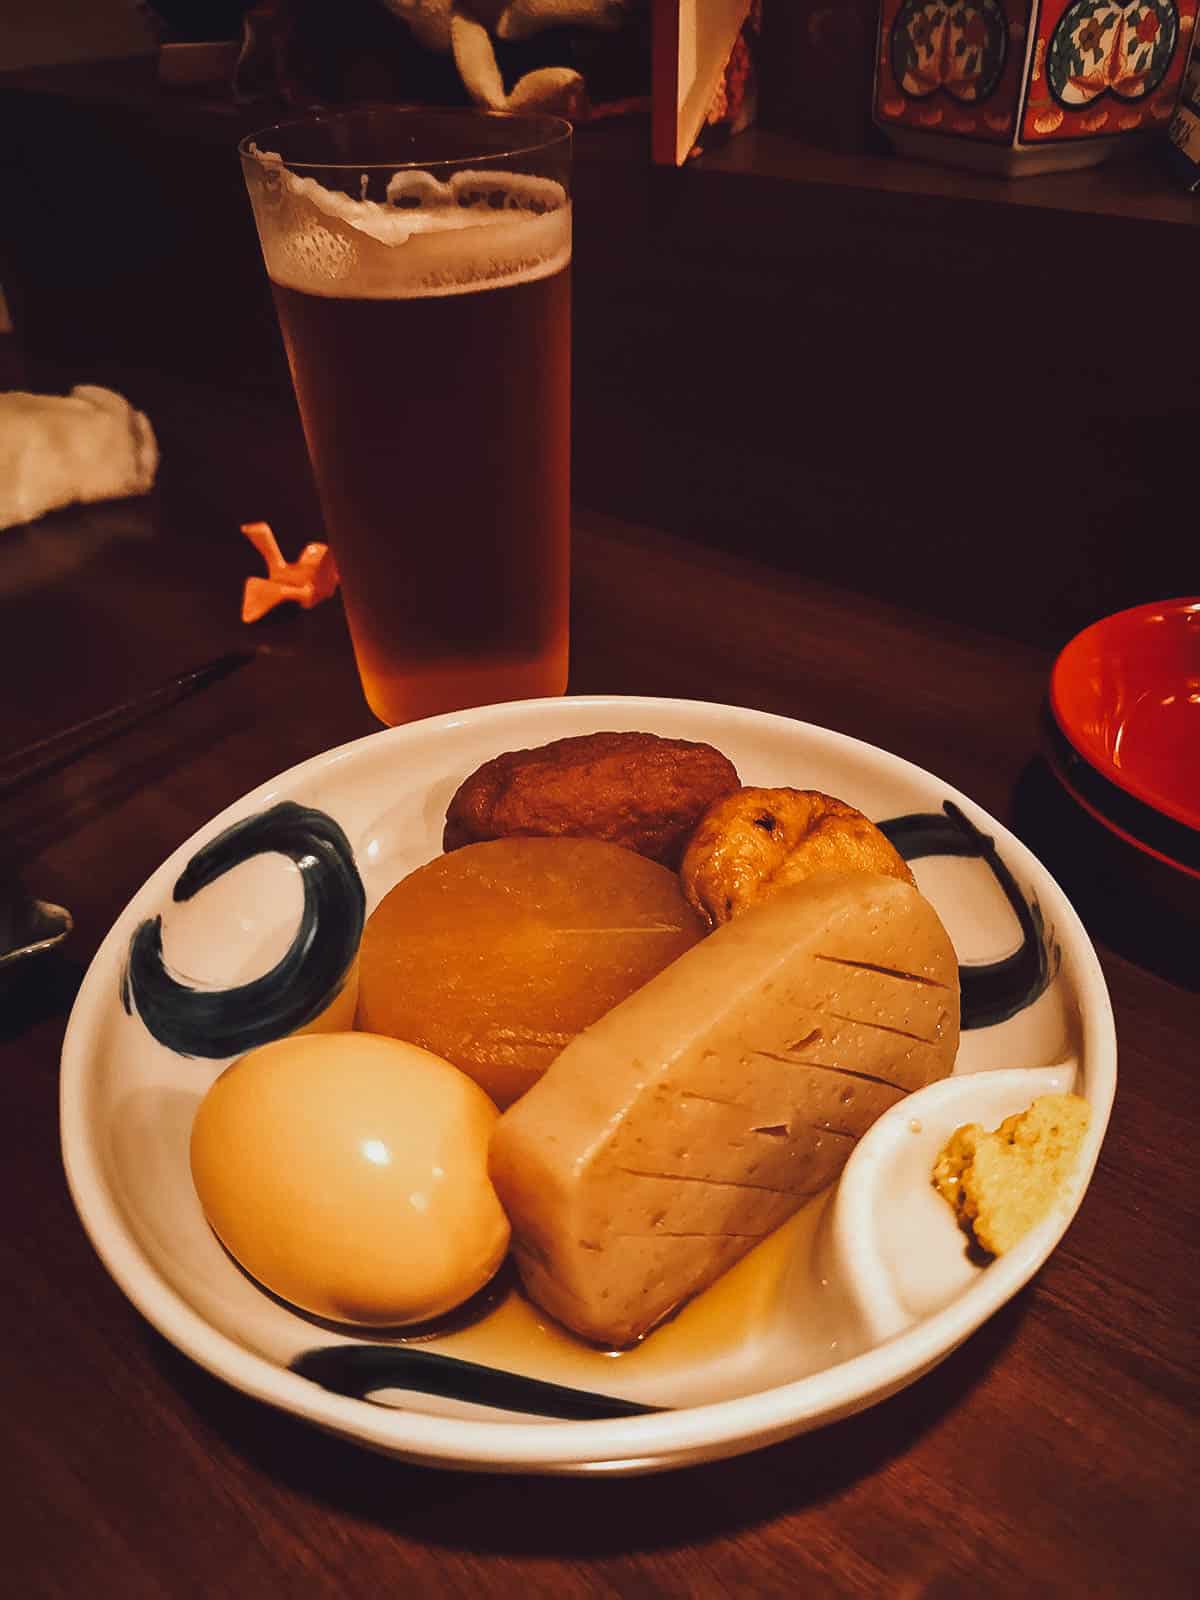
693 43
60 450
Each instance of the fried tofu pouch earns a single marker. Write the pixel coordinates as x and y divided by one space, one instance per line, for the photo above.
695 1117
637 790
751 843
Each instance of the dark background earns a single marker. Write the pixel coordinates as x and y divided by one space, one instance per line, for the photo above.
968 395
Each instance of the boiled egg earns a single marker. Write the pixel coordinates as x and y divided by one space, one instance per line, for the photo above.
347 1173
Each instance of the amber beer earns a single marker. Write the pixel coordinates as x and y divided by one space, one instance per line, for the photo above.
429 347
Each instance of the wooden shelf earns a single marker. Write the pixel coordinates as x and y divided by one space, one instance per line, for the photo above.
1135 187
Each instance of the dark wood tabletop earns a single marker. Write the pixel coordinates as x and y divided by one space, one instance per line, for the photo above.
1054 1453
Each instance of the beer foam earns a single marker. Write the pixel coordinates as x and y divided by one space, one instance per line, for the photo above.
477 230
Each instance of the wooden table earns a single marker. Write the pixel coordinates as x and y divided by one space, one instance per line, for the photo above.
1053 1453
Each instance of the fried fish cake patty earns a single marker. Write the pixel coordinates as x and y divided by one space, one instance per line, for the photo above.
637 790
753 842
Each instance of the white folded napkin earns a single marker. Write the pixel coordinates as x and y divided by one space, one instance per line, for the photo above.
56 450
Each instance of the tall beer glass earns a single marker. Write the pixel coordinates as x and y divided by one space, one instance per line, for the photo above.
420 263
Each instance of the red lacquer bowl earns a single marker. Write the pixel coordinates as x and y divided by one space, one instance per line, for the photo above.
1126 694
1157 855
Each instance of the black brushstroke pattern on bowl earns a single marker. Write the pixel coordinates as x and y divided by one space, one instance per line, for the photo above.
991 991
360 1370
218 1023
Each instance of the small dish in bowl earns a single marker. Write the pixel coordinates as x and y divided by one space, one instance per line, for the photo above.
1126 694
777 1346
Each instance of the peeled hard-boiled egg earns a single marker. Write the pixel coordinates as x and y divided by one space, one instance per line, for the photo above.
347 1173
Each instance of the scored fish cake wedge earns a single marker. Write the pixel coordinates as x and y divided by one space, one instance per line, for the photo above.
696 1116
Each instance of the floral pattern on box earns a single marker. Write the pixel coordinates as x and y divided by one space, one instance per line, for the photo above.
1105 67
1019 86
952 66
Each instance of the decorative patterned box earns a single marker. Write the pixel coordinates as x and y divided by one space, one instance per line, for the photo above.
1184 148
1027 86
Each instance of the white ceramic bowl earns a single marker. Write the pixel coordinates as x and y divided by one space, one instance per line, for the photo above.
875 1292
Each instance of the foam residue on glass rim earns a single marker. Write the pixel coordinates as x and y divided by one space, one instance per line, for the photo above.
476 230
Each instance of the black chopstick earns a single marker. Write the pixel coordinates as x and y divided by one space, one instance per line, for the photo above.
35 760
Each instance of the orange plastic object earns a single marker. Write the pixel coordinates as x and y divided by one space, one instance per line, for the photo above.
1126 693
308 580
